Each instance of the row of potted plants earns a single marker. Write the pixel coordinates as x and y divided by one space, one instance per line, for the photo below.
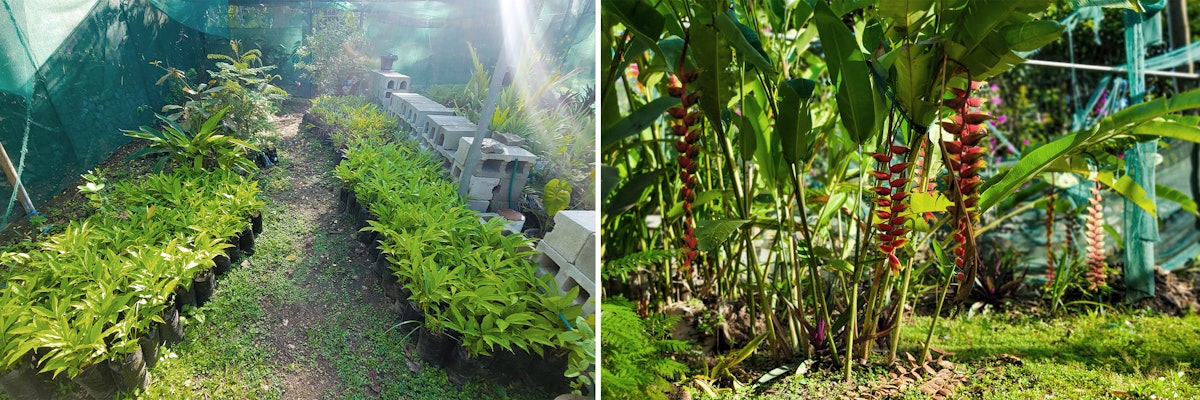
96 300
343 118
462 279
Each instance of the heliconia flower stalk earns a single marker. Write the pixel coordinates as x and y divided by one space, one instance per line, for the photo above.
890 202
964 154
1095 240
683 124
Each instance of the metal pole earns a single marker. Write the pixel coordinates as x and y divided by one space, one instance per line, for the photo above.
481 126
1101 68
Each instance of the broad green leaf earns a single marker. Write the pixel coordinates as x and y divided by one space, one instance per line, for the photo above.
1186 203
767 155
1031 164
841 265
556 196
794 122
1164 128
609 178
702 198
905 12
636 121
1032 35
855 96
632 191
713 54
914 69
923 202
831 207
710 235
638 16
745 41
1134 5
1134 192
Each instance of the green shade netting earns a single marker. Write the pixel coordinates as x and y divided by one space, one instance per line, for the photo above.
76 72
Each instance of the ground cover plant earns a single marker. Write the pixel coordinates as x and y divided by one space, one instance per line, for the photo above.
795 179
91 294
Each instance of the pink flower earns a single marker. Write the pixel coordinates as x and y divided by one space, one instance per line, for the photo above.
996 100
995 88
1001 119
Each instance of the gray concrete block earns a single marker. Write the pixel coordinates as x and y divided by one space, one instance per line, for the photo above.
572 230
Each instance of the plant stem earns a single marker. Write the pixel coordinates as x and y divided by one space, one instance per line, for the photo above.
933 323
894 341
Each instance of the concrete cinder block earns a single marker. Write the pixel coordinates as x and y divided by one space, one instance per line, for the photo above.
481 188
586 261
572 230
385 83
478 205
447 136
566 276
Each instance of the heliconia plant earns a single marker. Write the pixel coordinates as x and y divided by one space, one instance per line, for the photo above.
844 151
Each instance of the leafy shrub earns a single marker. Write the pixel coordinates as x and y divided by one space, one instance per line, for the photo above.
203 149
329 63
241 84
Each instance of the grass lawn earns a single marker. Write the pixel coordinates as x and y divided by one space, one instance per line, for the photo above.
1086 356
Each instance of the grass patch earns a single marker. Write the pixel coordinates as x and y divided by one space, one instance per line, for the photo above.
1086 356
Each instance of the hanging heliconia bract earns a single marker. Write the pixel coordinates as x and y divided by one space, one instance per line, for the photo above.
891 202
684 123
965 157
1095 240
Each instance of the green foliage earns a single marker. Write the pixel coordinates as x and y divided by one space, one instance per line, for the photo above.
246 90
466 276
353 118
633 363
558 126
556 196
203 149
87 294
241 84
330 51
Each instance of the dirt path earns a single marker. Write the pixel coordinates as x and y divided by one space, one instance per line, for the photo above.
327 243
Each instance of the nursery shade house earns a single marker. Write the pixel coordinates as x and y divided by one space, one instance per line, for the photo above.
280 198
76 72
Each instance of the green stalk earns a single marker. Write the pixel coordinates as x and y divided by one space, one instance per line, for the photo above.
894 340
813 268
933 323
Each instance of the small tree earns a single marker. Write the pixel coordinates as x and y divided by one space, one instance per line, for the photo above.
332 51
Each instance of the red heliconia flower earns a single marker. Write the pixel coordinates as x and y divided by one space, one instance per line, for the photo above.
684 125
965 158
892 192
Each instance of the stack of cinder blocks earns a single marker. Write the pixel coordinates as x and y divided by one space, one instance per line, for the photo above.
569 254
412 109
500 173
443 133
386 83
